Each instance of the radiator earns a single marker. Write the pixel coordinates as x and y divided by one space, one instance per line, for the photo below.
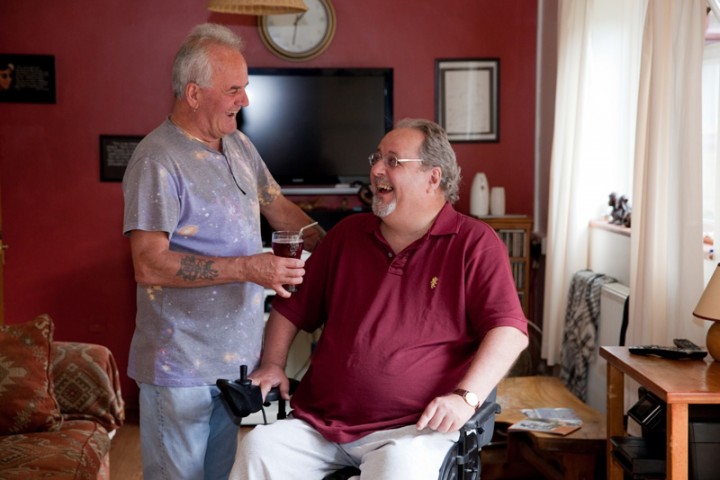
612 303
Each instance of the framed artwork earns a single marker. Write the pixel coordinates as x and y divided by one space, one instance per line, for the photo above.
27 78
466 95
115 153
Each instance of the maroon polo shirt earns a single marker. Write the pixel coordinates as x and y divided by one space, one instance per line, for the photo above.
398 330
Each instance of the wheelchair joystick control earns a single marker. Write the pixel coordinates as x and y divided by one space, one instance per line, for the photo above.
244 380
241 398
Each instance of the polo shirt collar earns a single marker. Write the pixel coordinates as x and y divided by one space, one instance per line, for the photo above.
446 223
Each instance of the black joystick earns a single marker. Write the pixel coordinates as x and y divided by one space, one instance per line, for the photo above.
241 398
244 380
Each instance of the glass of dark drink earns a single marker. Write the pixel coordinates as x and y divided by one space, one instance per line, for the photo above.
288 244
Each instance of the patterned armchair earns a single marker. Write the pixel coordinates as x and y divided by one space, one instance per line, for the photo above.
59 401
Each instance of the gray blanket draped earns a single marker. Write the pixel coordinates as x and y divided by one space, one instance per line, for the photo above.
581 326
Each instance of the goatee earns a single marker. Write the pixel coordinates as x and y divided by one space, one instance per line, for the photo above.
382 209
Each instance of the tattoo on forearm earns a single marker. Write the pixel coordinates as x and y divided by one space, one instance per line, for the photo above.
192 269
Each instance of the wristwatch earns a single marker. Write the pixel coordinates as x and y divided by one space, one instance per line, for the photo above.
469 397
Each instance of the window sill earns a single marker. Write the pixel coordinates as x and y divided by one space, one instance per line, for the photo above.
610 227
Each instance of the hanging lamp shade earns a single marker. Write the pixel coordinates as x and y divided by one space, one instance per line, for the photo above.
257 7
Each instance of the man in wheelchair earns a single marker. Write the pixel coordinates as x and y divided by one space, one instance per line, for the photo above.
420 318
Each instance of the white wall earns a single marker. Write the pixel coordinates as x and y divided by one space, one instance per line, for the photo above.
609 251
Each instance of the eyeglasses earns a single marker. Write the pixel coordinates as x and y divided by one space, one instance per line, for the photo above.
391 160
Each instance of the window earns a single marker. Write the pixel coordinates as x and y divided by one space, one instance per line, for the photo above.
710 136
711 144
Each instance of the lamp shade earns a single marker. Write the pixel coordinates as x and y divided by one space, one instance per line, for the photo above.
257 7
708 307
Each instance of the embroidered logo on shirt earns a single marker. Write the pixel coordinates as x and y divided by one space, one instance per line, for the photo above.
433 282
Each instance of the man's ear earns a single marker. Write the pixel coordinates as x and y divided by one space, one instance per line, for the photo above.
192 95
435 179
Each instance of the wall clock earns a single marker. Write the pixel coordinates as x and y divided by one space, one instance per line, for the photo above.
299 37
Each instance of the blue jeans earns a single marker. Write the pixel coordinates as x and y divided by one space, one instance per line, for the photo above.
185 433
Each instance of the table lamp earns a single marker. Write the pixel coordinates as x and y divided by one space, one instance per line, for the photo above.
708 308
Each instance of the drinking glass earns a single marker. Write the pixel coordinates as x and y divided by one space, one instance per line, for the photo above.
286 243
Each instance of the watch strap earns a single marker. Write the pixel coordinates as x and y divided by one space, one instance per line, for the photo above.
464 394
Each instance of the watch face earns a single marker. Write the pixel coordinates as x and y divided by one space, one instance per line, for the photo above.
469 397
300 36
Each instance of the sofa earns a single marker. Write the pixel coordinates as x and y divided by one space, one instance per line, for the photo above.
60 402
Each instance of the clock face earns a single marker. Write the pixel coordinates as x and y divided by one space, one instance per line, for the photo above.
299 36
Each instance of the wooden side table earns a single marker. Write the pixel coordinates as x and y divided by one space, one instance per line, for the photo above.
679 383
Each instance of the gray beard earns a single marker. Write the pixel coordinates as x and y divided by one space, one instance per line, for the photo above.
381 209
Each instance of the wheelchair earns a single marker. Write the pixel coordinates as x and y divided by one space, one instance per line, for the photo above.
462 461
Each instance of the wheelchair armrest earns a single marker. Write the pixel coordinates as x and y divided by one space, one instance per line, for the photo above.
462 461
486 412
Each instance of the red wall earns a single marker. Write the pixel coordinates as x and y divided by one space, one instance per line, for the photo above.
67 255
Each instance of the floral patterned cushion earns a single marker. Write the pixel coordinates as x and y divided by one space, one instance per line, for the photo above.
27 403
77 451
87 383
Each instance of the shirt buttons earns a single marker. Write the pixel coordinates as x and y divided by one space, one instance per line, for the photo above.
390 254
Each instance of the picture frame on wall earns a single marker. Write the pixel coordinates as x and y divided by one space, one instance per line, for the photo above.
466 98
115 153
27 78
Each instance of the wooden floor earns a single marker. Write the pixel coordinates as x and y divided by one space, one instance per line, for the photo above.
125 459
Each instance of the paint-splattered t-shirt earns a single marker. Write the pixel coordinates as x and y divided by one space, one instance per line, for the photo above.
208 203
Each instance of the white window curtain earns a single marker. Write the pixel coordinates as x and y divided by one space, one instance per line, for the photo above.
628 94
666 276
597 82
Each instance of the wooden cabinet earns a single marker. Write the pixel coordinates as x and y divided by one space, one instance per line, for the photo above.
679 383
515 232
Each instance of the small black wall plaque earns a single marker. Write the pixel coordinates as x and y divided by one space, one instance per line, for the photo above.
27 78
115 153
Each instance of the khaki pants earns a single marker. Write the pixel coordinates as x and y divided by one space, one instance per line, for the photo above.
291 449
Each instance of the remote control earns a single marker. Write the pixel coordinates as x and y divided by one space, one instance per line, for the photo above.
686 344
673 353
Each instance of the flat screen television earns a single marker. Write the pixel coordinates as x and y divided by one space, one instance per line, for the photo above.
315 127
